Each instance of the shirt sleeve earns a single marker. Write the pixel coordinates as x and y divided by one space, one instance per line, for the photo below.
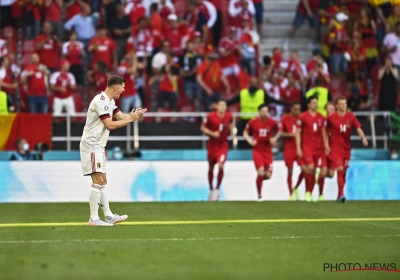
356 123
102 110
69 24
53 78
72 79
116 110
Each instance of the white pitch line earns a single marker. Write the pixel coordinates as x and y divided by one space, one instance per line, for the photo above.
192 239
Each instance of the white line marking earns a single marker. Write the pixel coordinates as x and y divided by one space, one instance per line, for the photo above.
192 239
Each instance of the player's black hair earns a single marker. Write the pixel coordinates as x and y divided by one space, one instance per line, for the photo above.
311 98
115 80
294 103
264 105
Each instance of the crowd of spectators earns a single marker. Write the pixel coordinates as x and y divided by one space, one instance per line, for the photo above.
185 61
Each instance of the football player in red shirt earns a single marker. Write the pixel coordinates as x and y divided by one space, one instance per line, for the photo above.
339 127
265 135
310 135
217 125
288 130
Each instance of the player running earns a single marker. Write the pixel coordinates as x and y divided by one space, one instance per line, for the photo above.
339 127
217 125
310 143
265 135
288 131
94 139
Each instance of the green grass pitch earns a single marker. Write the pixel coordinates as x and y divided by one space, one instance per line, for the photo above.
252 240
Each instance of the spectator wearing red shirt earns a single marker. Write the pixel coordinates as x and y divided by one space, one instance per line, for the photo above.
98 77
62 84
296 67
127 69
210 78
34 79
53 15
168 85
135 10
73 51
291 93
339 43
209 10
218 25
247 47
356 67
103 48
143 41
174 35
165 8
156 26
48 48
196 19
317 67
239 8
229 53
306 10
9 44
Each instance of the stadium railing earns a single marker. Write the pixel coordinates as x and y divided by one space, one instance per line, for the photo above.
133 132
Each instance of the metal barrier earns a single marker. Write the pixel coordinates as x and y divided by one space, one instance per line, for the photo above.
133 133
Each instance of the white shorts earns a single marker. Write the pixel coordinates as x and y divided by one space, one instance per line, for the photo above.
93 162
60 103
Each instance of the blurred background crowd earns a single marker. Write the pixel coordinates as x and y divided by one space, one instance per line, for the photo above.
184 55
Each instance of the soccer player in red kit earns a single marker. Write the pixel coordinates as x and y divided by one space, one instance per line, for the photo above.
265 135
217 125
288 130
339 127
310 135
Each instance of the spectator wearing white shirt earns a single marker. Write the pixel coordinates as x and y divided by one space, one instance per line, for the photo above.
391 46
237 8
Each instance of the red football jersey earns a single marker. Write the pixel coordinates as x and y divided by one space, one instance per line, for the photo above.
49 54
311 130
226 44
339 129
104 52
130 88
36 84
66 80
262 132
73 52
288 124
216 123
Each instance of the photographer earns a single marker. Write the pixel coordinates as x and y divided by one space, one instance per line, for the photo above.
388 75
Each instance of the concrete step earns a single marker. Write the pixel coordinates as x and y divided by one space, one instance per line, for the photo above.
285 17
295 43
280 31
285 5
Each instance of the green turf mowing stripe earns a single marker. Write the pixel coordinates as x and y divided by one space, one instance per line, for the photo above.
71 224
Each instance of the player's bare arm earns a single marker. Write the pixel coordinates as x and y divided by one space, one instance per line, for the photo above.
133 116
121 116
232 131
210 133
298 143
274 140
362 135
249 139
326 141
288 134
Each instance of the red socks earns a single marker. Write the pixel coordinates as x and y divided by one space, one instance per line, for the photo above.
299 180
219 177
321 183
310 182
341 182
210 179
259 182
289 183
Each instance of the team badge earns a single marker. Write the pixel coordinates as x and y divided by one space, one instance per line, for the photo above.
98 165
106 108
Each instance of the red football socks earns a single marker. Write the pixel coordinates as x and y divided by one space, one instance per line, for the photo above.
259 182
321 183
210 179
310 182
299 180
219 178
289 183
340 181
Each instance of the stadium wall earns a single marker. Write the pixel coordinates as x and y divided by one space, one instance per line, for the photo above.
144 181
